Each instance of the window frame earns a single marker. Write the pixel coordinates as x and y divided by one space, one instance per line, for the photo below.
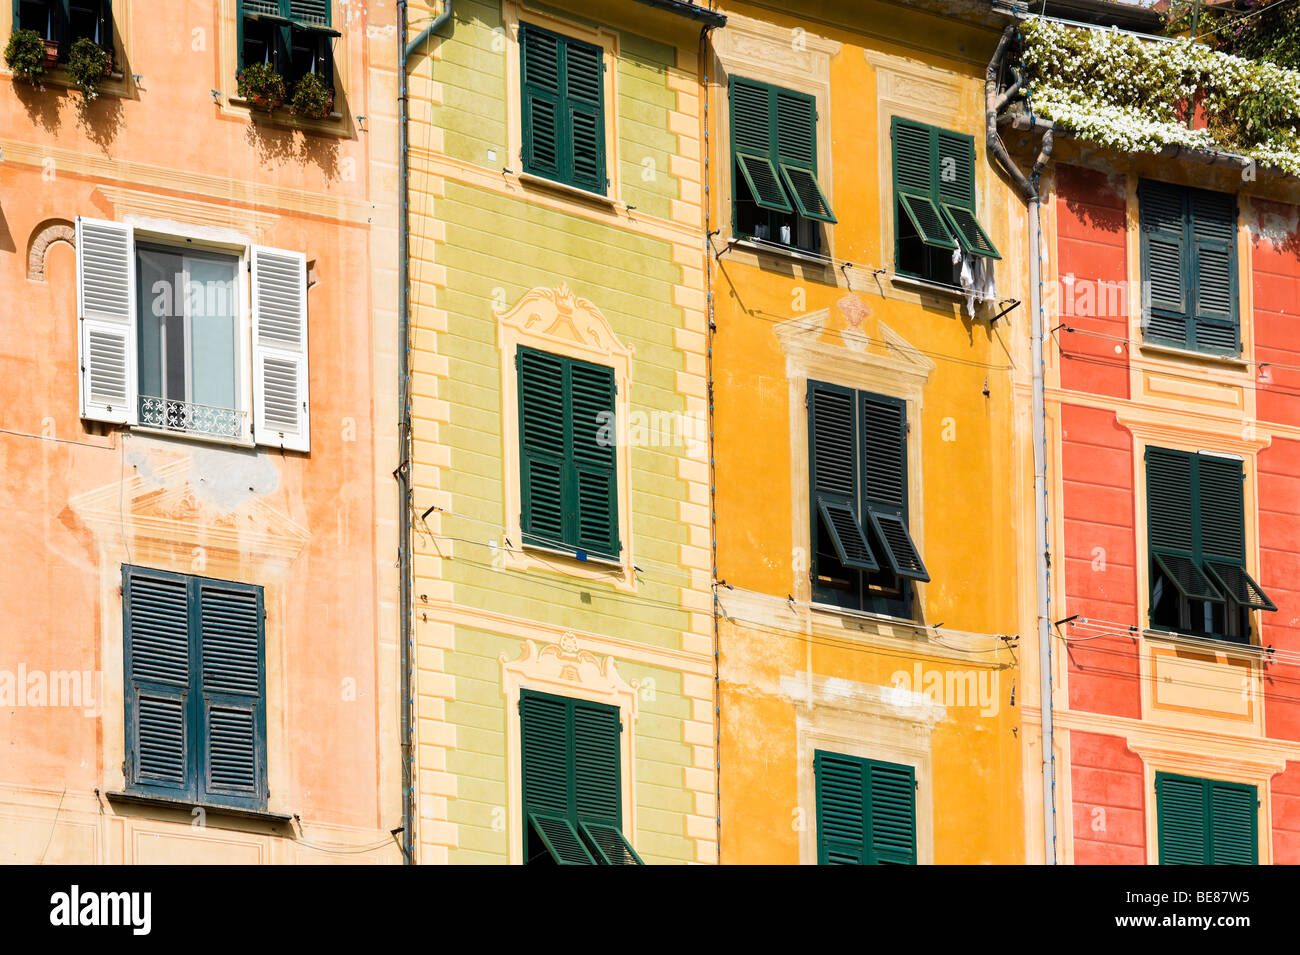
1208 789
285 28
869 853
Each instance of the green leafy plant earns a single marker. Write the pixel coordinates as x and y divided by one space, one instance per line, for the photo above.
88 64
312 99
261 85
25 55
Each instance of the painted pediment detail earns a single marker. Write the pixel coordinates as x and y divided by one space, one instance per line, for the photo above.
558 315
566 666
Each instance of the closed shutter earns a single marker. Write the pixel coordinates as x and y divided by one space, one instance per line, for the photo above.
914 163
1214 267
1223 531
1166 298
753 137
884 479
106 307
866 811
281 416
594 461
1173 530
233 712
159 750
563 89
832 453
543 446
1206 821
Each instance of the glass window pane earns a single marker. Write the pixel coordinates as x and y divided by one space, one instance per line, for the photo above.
161 326
212 305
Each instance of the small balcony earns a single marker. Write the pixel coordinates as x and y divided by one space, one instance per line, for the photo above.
186 417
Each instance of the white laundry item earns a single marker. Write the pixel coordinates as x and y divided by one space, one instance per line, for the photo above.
976 278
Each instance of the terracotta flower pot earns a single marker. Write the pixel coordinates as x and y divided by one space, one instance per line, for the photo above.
51 53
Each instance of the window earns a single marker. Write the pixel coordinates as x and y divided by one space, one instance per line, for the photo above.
67 21
1197 541
1189 267
195 688
866 811
293 36
863 554
934 202
775 193
165 329
572 787
567 455
563 83
1206 821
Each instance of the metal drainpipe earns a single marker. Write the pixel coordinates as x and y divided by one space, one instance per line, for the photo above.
403 472
1028 187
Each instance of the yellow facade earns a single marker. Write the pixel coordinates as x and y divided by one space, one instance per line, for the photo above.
937 692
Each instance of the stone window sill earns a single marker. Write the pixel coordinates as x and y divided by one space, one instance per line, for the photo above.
1174 353
189 805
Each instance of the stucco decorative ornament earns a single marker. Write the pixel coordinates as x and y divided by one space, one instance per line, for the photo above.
566 666
855 312
560 315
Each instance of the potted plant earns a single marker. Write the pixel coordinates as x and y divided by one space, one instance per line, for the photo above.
88 64
261 85
312 99
25 55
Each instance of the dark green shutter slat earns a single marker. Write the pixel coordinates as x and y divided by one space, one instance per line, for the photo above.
913 159
1214 254
560 839
796 129
969 232
893 814
884 470
751 121
316 12
1181 820
928 221
609 843
597 786
844 529
545 748
956 169
1187 577
834 475
591 412
266 7
584 92
900 550
807 194
157 657
544 447
841 809
763 181
1161 211
540 84
1223 534
230 633
1233 824
1170 515
1233 581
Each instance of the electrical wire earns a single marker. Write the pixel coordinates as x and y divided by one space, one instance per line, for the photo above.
1233 18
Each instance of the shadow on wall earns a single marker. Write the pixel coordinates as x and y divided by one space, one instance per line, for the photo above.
284 145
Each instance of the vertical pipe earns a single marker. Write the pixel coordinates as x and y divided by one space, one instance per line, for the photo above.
403 441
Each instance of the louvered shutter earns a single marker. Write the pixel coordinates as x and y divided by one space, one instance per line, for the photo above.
232 716
1172 523
594 477
1166 295
543 447
915 161
955 187
314 12
796 153
596 777
1181 820
584 87
1234 824
883 423
753 137
1214 269
106 311
281 416
547 755
866 811
1223 531
542 102
157 650
836 515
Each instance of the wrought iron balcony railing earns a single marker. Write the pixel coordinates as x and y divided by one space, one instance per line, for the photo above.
186 417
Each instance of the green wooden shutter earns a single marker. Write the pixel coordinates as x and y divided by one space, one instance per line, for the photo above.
543 446
159 751
314 12
1206 821
866 811
1166 286
914 163
594 472
1222 549
955 186
598 787
753 148
884 482
1213 235
540 85
796 153
584 114
1173 525
833 465
232 719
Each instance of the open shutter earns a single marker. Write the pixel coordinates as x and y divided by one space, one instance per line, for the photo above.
1172 523
159 751
1214 271
314 12
594 476
796 153
914 161
1166 298
540 85
832 452
584 87
280 373
543 446
233 711
955 174
597 777
1234 824
106 305
1181 820
546 745
841 809
752 143
1223 531
884 473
